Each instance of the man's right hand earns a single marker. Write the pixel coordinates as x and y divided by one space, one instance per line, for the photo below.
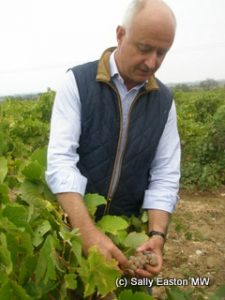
73 205
105 246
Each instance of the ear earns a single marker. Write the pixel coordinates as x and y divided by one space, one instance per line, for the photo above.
120 33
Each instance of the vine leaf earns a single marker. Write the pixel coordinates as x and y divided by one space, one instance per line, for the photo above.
46 264
144 217
31 193
40 155
3 169
27 268
5 256
92 201
128 295
72 237
18 215
135 239
39 233
175 293
97 273
4 193
12 291
112 224
70 281
77 248
32 171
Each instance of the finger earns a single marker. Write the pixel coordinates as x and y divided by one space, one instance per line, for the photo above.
144 273
144 247
154 271
120 257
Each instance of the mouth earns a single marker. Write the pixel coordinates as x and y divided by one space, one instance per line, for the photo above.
145 72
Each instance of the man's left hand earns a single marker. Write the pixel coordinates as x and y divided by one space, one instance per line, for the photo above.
154 244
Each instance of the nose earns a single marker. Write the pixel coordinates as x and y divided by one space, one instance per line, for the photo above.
152 61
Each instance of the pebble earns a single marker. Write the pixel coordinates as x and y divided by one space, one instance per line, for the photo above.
199 252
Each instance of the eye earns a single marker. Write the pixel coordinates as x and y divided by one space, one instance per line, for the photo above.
162 52
144 48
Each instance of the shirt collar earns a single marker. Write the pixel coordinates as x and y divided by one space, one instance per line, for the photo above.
114 72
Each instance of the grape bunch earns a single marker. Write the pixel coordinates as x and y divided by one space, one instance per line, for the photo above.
140 260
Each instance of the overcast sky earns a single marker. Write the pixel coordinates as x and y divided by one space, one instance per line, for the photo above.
40 39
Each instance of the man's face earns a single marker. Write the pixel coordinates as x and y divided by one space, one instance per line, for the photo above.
141 50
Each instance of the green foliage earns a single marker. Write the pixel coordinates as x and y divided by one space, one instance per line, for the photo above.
135 239
92 201
24 127
97 274
24 124
218 129
176 293
219 294
112 224
201 125
40 257
128 295
4 169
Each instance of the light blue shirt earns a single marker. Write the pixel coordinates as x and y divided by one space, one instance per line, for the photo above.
62 174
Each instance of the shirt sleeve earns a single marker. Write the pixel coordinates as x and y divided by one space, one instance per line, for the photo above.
62 174
162 192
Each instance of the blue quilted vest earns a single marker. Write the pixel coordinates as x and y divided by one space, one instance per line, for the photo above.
101 133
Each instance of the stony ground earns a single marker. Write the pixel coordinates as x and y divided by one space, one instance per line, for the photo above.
196 242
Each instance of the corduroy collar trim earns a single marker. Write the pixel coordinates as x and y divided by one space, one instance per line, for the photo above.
103 72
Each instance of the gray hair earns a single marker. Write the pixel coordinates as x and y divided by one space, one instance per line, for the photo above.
134 7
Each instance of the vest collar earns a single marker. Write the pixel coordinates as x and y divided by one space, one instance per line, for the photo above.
103 72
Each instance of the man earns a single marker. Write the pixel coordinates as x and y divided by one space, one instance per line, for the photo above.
114 132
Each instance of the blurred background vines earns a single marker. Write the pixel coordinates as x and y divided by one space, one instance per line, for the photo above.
24 127
201 115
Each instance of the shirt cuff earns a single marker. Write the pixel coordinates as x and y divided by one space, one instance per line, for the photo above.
66 182
160 201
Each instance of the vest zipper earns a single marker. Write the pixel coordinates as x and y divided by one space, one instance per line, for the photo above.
108 198
110 191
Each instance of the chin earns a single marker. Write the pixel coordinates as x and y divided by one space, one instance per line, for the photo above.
141 79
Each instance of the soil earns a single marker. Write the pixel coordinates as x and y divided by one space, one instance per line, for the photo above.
195 246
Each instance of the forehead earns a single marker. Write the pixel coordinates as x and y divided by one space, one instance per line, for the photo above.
152 26
152 29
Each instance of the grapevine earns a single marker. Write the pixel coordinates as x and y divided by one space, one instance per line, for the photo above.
40 257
